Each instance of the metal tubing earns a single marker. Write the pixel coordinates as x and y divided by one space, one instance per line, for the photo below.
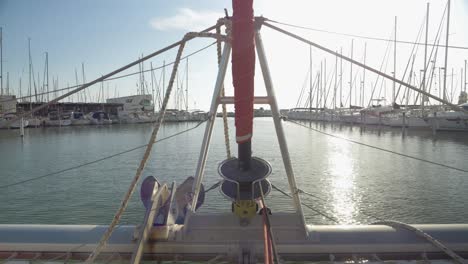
279 128
148 222
209 127
453 106
257 100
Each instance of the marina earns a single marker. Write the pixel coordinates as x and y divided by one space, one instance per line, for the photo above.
368 167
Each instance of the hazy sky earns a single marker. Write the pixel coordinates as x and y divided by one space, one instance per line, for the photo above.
107 34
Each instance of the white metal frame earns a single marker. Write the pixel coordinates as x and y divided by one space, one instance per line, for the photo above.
269 99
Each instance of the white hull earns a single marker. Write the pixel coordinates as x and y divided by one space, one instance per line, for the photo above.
370 120
64 122
34 122
101 121
80 122
410 121
15 125
449 124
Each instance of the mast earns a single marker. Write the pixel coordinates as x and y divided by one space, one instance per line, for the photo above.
341 77
84 81
142 76
164 77
324 88
186 85
394 62
440 83
425 59
7 84
351 76
465 77
1 61
451 87
38 85
77 84
336 80
446 51
364 76
47 74
152 86
243 68
319 85
461 80
310 82
20 94
30 73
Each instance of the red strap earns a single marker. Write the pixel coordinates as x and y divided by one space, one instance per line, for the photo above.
267 245
243 67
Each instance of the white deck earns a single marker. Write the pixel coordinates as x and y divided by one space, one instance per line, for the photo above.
209 236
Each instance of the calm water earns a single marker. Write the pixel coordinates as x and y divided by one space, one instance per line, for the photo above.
356 182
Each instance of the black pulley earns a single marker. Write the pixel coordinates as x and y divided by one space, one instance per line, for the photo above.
242 184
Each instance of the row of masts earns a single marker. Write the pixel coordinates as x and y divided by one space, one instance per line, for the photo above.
320 92
38 92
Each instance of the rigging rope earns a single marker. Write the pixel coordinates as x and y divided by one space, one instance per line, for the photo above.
424 235
331 218
101 159
379 148
223 105
126 199
271 256
359 36
297 37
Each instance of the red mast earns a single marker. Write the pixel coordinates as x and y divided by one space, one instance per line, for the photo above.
243 71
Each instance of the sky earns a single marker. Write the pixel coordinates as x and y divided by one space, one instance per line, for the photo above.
107 34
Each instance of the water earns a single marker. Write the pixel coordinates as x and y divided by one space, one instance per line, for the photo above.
356 184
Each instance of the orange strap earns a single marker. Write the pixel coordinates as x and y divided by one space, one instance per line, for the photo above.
267 245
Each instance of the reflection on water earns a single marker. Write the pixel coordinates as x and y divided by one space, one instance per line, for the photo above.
342 174
353 182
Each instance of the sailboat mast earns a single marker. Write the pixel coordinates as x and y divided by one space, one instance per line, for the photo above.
83 82
243 68
351 76
451 86
336 79
47 74
186 86
465 77
30 74
164 77
310 81
341 77
324 99
1 61
446 51
152 86
319 85
8 85
364 76
425 58
461 79
394 62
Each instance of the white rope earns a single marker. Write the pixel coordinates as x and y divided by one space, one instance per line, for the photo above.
223 105
131 189
426 236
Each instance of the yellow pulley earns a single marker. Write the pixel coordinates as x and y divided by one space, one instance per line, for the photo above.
245 209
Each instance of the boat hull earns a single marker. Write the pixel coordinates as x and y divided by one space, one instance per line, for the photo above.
212 235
